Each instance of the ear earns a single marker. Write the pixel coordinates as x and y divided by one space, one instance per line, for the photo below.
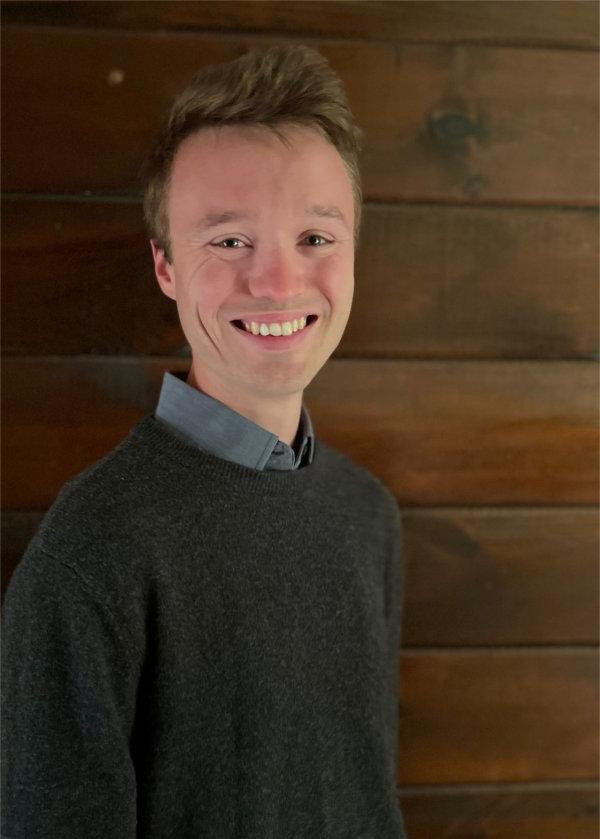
164 271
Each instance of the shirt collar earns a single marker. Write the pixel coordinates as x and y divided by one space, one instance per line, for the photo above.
218 429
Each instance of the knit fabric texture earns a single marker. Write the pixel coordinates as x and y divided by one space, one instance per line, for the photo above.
193 648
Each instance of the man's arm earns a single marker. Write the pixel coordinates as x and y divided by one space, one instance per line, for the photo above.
394 599
68 706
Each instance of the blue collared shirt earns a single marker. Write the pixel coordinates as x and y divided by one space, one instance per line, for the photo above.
218 429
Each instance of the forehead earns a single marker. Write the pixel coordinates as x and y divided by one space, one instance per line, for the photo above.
237 166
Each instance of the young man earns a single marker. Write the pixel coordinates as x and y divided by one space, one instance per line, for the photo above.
202 638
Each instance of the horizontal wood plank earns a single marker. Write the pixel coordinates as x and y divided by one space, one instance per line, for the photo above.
437 433
474 433
472 577
461 123
475 282
498 715
501 577
431 282
79 278
567 810
556 23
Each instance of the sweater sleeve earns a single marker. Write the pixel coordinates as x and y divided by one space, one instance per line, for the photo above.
394 597
68 706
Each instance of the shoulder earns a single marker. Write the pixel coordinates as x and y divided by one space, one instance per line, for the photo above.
95 514
91 546
359 481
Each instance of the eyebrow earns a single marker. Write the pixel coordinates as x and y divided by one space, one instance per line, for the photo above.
215 219
326 212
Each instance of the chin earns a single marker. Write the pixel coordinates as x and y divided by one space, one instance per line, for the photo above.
280 385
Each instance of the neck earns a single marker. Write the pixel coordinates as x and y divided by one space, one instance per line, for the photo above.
280 417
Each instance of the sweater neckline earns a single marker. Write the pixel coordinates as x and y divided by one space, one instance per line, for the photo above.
163 443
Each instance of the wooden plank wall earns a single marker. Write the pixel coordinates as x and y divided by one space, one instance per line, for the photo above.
467 377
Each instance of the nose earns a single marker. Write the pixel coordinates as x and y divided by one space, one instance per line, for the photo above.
277 274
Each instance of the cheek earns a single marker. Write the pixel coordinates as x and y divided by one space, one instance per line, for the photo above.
211 286
335 276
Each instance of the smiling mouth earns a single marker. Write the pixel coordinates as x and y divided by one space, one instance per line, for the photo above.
310 319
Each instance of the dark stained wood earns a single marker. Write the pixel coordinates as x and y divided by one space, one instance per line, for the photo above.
437 433
567 810
471 433
475 716
445 123
474 282
79 279
472 577
572 24
445 282
501 577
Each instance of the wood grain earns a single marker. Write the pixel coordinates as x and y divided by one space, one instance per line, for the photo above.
437 433
474 433
472 577
500 577
457 123
567 810
557 23
472 716
431 282
475 282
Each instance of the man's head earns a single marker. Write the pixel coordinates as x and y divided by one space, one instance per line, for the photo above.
252 198
288 85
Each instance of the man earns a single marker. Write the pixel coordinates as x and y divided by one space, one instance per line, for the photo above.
202 638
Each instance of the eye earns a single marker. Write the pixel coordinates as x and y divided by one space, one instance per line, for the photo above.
230 243
321 240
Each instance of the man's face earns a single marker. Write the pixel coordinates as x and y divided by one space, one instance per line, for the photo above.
258 227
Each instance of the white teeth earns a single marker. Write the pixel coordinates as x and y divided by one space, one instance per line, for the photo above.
285 328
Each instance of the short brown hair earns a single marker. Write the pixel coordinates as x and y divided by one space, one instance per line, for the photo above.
282 85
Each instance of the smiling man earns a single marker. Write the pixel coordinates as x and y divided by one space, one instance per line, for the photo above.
260 262
202 639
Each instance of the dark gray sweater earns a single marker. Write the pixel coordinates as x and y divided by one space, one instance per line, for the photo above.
193 648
